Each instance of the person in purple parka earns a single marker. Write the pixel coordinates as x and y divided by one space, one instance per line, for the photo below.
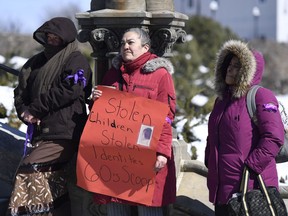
233 139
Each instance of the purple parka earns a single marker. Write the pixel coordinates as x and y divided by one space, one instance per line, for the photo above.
233 139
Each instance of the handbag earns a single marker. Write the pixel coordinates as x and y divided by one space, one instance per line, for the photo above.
282 156
265 201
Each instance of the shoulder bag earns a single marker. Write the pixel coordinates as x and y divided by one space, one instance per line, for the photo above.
265 201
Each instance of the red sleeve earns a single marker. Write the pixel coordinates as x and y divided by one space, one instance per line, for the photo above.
166 94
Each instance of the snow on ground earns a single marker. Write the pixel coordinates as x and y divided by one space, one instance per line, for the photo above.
6 98
17 62
2 59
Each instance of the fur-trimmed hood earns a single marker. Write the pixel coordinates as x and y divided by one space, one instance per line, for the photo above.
150 66
252 67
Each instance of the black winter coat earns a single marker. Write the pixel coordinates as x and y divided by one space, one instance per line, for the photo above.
61 107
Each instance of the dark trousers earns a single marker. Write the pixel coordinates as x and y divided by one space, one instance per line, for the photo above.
221 210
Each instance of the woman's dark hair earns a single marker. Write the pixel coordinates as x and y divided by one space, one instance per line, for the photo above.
226 63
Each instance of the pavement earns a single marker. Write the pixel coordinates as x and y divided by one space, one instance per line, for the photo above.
192 196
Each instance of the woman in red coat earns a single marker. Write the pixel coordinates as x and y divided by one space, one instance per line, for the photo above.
142 73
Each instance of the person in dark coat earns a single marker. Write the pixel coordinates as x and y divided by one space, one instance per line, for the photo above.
233 139
51 97
142 73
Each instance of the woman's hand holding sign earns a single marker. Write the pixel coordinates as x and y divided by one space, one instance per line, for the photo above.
161 162
96 93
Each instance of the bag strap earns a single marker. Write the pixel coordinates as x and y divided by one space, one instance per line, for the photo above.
244 188
264 190
250 101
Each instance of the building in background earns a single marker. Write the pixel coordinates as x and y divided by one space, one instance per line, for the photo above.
249 19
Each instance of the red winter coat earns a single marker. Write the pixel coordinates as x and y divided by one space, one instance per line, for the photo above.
149 76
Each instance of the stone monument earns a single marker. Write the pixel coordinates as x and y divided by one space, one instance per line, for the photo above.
104 24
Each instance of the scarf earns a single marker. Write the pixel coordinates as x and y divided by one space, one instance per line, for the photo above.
53 67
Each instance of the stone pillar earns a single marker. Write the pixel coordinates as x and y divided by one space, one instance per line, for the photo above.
166 26
160 5
125 4
104 25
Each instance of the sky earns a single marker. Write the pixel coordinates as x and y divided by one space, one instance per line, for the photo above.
28 15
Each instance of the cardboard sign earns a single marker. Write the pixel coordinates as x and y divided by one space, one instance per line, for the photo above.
117 150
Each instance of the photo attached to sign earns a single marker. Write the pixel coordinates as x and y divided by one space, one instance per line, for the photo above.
145 135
